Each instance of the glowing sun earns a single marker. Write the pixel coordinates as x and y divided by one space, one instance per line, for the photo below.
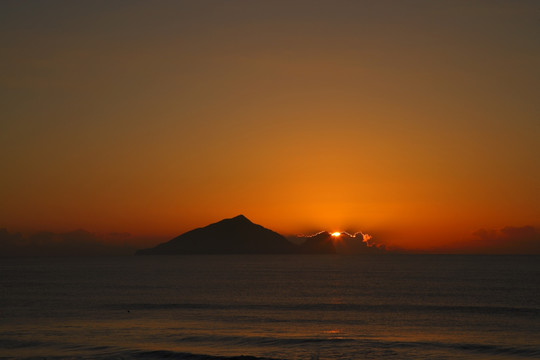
336 234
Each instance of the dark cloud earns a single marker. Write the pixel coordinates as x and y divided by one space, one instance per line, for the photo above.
73 243
508 240
358 243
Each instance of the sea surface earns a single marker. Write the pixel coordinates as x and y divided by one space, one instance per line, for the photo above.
272 307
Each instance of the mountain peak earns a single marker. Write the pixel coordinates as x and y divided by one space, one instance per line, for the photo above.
240 218
237 235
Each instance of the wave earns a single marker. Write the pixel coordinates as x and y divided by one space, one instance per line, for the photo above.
528 352
163 354
113 353
384 349
18 344
262 341
329 348
489 310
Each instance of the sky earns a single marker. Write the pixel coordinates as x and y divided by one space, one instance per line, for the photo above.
414 121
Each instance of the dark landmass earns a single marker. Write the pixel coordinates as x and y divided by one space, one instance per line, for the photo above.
240 236
229 236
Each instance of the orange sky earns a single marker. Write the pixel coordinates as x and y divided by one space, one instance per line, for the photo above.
415 121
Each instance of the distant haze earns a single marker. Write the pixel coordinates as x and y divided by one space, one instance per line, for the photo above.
416 122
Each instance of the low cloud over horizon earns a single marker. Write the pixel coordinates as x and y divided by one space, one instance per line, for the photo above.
72 243
344 243
511 240
506 240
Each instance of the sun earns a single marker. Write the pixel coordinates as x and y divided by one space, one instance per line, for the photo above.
336 234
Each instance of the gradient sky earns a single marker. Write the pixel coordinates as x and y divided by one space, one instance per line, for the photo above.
417 121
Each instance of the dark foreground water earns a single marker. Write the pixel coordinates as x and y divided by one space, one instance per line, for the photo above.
280 307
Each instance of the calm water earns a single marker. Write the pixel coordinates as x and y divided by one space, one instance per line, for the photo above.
280 307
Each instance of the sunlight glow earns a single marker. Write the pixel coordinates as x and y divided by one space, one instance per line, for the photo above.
336 234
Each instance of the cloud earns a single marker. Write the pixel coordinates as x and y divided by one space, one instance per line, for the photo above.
73 243
507 240
357 243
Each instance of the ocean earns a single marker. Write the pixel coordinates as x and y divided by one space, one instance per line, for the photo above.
271 307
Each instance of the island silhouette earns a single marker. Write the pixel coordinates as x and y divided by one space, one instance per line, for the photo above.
238 235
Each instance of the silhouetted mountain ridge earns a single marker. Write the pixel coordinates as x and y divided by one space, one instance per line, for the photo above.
237 235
